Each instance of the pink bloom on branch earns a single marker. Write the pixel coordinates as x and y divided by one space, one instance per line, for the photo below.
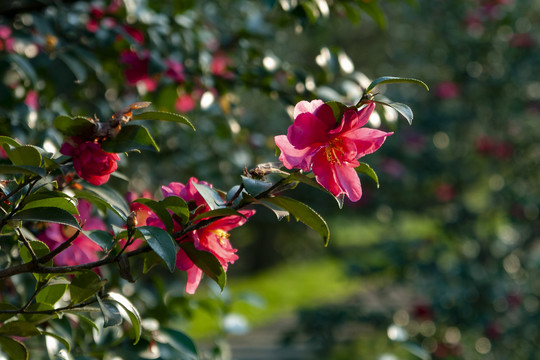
330 148
82 250
175 70
213 238
91 163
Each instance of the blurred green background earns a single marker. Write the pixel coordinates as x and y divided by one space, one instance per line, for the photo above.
442 261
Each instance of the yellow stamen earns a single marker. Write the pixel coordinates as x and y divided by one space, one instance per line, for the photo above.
333 150
222 235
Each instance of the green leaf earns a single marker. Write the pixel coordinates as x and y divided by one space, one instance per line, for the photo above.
102 238
72 126
40 249
19 328
110 312
24 67
304 179
374 11
164 116
211 196
162 243
207 262
10 141
255 187
25 155
81 317
47 214
13 348
131 137
58 338
84 285
107 197
279 212
52 202
50 294
178 206
181 342
218 212
160 210
303 213
132 313
6 306
39 318
151 259
29 170
366 169
393 79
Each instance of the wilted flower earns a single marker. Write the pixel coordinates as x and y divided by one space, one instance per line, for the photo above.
317 141
213 238
82 249
90 161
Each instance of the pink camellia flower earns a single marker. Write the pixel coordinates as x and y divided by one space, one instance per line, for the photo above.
6 41
175 70
82 249
137 69
447 90
184 103
220 65
213 238
330 148
91 162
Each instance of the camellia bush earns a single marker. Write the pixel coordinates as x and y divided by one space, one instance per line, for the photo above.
78 218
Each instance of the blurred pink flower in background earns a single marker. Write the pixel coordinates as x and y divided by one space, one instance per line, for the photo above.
175 70
6 41
137 68
447 90
82 250
220 65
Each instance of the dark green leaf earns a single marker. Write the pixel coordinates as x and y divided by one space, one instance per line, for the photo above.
366 169
13 348
304 179
106 196
19 328
72 126
403 109
181 342
111 314
39 318
103 238
8 140
47 214
162 243
303 213
131 137
160 210
58 338
218 212
207 262
151 259
338 109
279 212
133 314
178 206
6 306
164 116
211 197
24 67
84 285
394 79
374 11
40 249
29 170
255 187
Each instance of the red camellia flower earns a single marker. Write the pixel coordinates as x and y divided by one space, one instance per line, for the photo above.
91 162
213 238
330 148
82 249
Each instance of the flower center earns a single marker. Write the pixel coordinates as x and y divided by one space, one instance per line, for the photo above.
222 235
334 150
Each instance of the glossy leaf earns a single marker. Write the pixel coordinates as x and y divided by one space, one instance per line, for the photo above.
111 314
207 262
180 342
39 318
163 116
162 243
53 202
58 339
6 306
107 197
303 213
72 126
403 109
84 285
78 70
305 179
392 80
19 328
28 170
13 348
40 249
255 187
131 137
133 314
366 169
102 238
218 212
338 109
178 206
47 214
211 197
10 141
24 67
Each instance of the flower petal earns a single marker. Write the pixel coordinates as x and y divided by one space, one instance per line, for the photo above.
325 173
366 140
306 107
291 156
307 130
349 181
